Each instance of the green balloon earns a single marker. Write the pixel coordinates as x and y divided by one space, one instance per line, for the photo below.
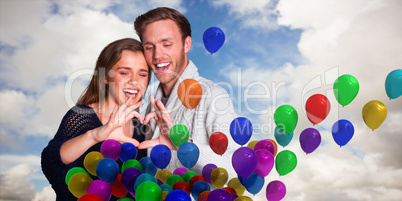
188 175
285 118
131 163
148 191
172 179
285 162
72 171
179 134
346 88
125 199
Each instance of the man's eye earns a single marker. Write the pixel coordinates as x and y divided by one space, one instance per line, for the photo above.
167 44
149 47
123 73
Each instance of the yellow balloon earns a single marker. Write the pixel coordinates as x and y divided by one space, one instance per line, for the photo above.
163 175
79 183
374 113
235 184
252 144
164 194
219 177
243 198
91 160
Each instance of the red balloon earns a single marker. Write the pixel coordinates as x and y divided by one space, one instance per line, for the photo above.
118 189
218 143
195 179
317 108
90 197
230 190
182 185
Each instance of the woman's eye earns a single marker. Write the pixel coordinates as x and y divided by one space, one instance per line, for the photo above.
123 73
143 75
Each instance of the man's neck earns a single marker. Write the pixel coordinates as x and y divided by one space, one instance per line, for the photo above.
168 87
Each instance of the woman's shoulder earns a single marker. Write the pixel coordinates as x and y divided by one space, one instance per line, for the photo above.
79 112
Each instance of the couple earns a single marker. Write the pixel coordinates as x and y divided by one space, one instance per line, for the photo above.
108 109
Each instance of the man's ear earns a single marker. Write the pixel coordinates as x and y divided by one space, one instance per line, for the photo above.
187 44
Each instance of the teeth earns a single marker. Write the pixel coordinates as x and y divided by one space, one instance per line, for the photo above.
161 65
130 91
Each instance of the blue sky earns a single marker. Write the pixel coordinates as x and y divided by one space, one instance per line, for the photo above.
278 51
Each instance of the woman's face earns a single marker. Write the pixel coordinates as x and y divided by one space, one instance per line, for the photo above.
127 78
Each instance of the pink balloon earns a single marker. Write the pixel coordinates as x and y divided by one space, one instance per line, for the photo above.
180 171
101 188
111 149
265 144
265 162
276 191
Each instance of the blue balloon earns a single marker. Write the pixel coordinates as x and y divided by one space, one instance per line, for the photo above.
128 151
161 155
178 195
253 184
148 166
282 138
342 132
213 39
393 84
198 187
166 187
143 178
188 154
107 169
241 130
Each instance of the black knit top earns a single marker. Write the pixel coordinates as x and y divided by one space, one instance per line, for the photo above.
77 121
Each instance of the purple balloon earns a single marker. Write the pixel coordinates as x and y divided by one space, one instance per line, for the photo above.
310 139
234 196
111 149
219 195
207 170
276 190
244 161
265 144
101 188
128 178
159 182
180 171
265 162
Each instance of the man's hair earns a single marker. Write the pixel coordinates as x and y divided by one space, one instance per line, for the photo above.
162 13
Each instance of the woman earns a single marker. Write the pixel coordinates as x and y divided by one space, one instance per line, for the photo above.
106 110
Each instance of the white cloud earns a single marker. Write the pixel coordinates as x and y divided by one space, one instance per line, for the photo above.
47 194
15 184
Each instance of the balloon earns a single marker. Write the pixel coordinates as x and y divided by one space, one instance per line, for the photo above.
189 92
195 179
219 177
180 171
243 198
125 199
252 144
161 155
79 183
265 144
346 88
213 39
203 195
166 187
164 194
275 145
282 138
265 162
342 132
144 177
91 160
276 190
218 143
179 134
188 175
285 118
244 161
178 195
128 178
235 184
219 195
285 162
148 191
90 197
188 154
199 187
128 151
207 170
173 179
182 185
393 84
234 196
317 108
148 166
131 163
111 149
253 184
374 113
241 130
118 189
73 171
230 190
163 175
101 188
107 170
310 139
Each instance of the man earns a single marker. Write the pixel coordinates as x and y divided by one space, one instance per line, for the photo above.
166 37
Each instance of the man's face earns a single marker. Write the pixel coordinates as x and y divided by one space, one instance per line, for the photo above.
164 50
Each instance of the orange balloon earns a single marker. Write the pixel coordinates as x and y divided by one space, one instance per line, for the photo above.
275 145
203 195
189 93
